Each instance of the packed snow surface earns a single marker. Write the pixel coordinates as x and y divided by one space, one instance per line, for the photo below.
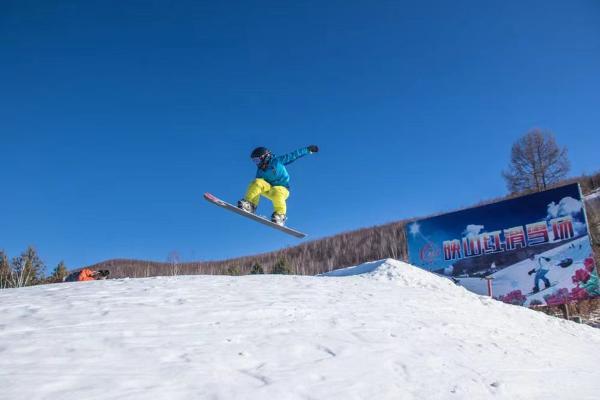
387 330
594 195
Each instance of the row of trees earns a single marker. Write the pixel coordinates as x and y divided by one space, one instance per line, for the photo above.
175 267
27 269
309 258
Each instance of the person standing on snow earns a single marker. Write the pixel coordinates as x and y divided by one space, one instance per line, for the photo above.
543 266
272 181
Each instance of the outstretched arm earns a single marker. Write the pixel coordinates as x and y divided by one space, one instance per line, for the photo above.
294 155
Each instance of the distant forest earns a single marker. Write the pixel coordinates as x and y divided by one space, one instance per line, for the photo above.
323 255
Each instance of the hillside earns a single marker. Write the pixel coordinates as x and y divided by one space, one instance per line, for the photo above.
394 331
322 255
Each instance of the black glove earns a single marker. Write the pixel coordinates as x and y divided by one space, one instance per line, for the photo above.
531 272
313 149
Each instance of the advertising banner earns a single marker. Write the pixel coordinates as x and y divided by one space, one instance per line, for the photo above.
531 250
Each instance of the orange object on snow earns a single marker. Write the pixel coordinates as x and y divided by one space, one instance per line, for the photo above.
86 274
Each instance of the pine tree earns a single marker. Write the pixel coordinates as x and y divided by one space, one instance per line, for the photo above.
59 273
257 269
233 270
281 267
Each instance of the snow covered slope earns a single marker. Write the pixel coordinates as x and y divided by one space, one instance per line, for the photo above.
391 332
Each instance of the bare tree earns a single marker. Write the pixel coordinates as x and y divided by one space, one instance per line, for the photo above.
5 273
536 162
27 269
174 260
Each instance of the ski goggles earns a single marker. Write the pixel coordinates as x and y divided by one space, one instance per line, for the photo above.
260 160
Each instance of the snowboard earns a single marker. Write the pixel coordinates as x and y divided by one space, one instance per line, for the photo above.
552 284
263 220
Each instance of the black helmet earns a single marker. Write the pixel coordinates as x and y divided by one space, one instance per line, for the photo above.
261 155
260 152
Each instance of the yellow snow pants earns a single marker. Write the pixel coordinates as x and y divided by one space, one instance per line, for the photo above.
277 194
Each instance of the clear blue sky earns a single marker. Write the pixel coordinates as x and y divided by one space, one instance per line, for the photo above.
115 116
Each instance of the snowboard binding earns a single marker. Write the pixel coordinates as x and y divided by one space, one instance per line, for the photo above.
245 205
278 219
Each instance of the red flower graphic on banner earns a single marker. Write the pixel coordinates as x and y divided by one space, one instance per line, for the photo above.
581 275
515 297
589 264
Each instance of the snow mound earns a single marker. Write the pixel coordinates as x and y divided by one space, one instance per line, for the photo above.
399 272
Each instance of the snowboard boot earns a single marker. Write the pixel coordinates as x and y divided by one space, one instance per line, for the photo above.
246 206
279 219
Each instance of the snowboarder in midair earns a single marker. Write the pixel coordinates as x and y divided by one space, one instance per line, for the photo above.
272 180
542 267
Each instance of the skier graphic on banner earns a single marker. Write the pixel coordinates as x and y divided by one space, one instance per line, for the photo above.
541 269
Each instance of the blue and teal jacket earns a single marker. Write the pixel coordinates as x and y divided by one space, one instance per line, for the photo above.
275 172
